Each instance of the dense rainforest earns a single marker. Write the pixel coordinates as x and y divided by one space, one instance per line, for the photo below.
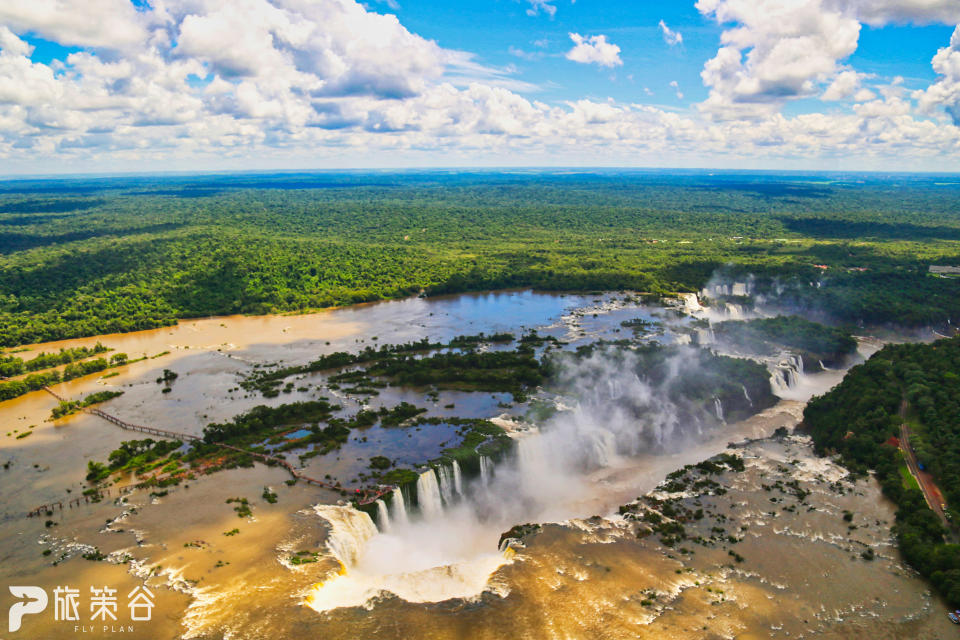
916 384
88 256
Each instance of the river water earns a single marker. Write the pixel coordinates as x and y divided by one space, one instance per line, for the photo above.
432 578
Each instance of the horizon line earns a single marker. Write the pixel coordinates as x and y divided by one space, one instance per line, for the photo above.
464 169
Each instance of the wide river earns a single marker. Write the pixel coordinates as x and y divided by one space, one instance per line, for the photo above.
213 574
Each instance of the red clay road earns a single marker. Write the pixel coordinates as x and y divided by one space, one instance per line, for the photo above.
931 492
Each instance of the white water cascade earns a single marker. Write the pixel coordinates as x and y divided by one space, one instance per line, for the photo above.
705 336
746 395
562 469
736 289
530 459
718 408
350 530
734 311
398 507
446 484
429 561
602 447
457 479
691 303
383 518
428 494
486 470
786 373
715 291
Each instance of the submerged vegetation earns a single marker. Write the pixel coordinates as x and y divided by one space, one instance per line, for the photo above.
668 509
36 381
509 371
93 256
70 407
459 366
137 456
13 366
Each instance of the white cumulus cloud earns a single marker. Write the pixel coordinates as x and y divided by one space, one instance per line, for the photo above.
94 23
776 51
202 83
881 12
945 92
594 50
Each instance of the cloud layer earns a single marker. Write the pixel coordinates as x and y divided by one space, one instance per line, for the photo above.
314 81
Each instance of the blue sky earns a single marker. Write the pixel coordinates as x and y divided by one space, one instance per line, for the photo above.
496 28
248 84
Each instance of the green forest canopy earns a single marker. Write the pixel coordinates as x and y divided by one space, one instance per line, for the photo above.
91 256
860 415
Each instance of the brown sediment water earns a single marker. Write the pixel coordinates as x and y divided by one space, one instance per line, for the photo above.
802 575
575 579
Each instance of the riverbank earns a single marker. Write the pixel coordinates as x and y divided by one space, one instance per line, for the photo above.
238 553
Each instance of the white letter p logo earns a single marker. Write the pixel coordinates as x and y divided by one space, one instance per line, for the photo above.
37 604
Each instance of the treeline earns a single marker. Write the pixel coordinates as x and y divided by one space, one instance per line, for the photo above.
814 341
898 293
267 380
36 381
113 259
12 366
508 371
860 415
72 406
133 455
263 420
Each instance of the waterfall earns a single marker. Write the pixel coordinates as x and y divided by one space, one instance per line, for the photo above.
786 373
718 408
705 336
691 304
428 494
778 381
485 470
350 530
531 461
383 518
720 290
734 311
746 395
603 447
398 507
446 485
457 479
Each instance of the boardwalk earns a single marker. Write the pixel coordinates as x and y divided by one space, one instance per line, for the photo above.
362 496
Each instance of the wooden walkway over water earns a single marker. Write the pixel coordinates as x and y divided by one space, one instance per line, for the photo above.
362 496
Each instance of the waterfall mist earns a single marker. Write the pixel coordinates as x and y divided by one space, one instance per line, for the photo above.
449 547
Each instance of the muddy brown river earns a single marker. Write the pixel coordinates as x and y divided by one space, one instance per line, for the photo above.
213 574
